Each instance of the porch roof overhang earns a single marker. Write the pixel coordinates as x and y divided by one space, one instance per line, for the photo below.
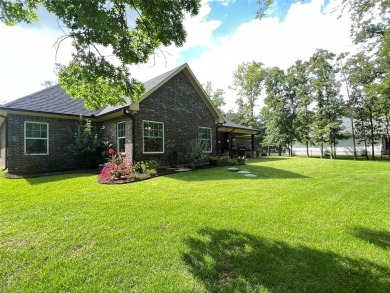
224 128
230 126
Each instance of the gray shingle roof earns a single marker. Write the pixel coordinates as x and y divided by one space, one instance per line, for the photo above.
232 124
51 100
55 100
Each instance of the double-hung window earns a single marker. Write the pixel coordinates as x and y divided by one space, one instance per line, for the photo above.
204 136
36 138
153 137
121 136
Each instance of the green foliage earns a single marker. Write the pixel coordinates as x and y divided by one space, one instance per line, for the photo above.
98 82
328 102
88 144
197 154
369 108
248 81
94 25
216 96
148 167
224 160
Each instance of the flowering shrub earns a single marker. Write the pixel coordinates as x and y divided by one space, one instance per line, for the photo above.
115 168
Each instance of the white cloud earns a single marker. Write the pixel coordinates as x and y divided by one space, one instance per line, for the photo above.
304 30
28 58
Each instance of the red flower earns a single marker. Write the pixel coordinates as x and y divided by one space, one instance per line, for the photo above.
111 151
120 155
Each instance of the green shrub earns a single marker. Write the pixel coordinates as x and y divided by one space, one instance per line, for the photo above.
226 161
87 145
197 153
147 167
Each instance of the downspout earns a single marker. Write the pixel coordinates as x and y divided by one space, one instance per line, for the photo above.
131 116
6 142
216 138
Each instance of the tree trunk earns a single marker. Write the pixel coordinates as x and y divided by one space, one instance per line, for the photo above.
322 150
372 139
353 139
307 149
365 149
280 150
269 151
334 149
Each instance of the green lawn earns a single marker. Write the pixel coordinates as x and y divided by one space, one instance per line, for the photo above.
303 225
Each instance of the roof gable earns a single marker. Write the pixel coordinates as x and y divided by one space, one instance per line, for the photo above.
54 100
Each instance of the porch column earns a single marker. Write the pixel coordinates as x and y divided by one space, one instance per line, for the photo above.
230 144
216 140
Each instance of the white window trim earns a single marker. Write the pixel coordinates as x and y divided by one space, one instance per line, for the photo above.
211 138
118 137
25 138
143 137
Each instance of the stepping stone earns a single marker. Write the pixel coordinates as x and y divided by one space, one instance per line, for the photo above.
250 175
243 172
233 169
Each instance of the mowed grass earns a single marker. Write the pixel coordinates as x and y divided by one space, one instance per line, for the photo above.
303 225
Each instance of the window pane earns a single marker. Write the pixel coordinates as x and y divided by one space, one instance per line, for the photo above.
153 137
121 145
153 144
121 129
204 136
36 146
36 130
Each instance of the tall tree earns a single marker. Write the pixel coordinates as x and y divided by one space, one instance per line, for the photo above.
363 76
93 25
276 113
300 81
248 81
351 99
216 96
328 103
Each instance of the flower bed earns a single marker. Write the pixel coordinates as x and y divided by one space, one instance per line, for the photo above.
116 171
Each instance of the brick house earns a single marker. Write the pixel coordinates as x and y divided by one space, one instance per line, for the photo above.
35 130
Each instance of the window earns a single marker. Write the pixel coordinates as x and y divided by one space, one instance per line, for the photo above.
121 136
153 137
36 140
204 135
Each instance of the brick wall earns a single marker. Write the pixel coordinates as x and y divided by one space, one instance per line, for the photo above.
176 104
179 107
61 132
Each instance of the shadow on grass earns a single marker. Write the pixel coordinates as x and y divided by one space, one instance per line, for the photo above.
379 238
270 158
57 178
232 261
222 173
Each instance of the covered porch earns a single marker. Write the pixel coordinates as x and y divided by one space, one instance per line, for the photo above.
235 140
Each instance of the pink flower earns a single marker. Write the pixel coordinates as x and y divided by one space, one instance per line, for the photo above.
111 151
112 165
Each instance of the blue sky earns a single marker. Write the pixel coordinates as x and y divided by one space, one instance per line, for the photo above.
222 36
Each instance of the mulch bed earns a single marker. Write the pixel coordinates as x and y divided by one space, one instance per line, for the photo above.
160 172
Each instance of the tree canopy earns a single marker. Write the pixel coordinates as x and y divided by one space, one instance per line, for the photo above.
93 25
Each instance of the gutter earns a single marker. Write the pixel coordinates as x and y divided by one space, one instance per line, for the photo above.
6 142
131 116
